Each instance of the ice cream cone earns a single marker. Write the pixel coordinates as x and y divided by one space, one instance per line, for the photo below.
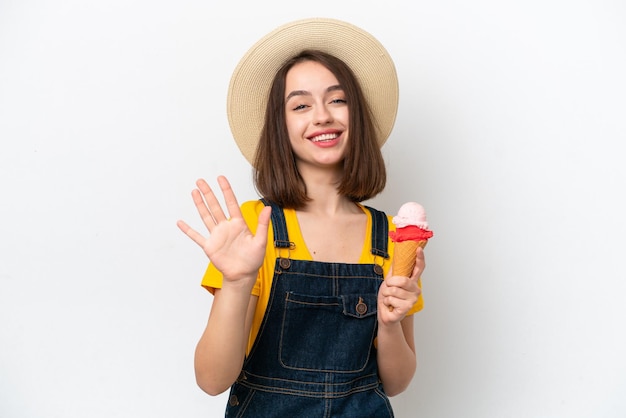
404 258
411 232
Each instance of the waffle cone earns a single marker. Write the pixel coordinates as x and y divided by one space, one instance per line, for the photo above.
404 257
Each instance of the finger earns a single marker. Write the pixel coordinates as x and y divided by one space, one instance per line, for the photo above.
386 292
214 209
206 216
264 222
420 264
402 305
404 291
398 282
191 233
393 304
419 255
229 197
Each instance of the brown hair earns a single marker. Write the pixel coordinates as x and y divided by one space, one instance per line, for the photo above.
276 175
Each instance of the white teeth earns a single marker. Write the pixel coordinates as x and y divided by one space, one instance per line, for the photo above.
325 137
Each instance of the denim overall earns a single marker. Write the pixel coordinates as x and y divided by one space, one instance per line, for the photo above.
314 355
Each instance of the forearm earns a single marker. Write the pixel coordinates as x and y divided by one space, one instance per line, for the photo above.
221 350
396 356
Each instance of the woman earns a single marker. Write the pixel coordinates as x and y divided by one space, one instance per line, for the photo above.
307 319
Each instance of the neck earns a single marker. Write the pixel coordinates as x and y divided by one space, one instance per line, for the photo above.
322 189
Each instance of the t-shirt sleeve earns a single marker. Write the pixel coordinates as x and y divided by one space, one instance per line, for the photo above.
213 278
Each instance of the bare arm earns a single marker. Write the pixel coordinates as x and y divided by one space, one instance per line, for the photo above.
396 346
221 350
238 255
396 356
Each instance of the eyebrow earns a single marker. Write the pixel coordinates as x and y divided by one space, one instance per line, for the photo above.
294 93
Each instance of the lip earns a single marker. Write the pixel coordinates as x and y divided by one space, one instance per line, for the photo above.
326 136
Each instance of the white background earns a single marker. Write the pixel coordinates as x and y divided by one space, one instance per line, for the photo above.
510 132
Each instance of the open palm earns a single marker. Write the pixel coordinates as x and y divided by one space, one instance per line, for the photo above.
230 246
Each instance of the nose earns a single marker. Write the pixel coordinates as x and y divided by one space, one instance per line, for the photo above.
322 115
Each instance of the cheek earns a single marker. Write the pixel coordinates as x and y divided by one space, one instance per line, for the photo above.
342 117
295 126
345 116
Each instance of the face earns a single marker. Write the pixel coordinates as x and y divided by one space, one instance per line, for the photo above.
316 113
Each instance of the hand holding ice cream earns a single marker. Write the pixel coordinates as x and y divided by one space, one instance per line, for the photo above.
411 232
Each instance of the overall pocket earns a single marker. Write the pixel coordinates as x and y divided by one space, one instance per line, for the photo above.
328 333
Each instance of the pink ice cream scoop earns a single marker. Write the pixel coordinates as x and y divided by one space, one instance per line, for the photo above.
410 224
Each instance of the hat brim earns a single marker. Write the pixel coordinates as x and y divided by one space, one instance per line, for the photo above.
251 80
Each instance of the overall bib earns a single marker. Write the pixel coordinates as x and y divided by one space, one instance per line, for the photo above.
314 355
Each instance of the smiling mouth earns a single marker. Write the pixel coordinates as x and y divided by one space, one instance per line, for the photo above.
324 137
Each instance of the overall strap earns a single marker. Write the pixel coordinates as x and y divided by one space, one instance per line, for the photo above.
380 232
281 237
380 229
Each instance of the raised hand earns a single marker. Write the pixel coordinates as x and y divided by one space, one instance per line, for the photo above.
398 294
230 246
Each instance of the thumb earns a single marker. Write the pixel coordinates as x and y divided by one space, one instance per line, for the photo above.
264 223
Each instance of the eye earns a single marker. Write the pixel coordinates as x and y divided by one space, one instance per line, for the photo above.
300 107
339 101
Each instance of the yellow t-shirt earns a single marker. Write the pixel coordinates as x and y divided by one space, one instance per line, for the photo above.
213 278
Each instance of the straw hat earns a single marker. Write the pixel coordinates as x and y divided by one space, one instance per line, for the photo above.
252 78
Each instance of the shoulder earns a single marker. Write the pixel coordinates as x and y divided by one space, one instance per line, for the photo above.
379 214
373 210
252 207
